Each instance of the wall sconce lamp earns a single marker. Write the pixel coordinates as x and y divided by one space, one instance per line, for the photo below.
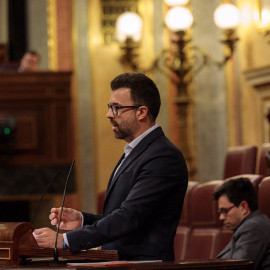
227 18
178 20
128 33
262 18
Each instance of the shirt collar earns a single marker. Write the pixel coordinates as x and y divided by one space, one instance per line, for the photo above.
129 147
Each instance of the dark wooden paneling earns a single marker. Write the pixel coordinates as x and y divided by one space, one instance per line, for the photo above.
40 103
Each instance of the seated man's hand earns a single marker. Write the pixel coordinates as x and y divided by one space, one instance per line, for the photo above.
46 237
71 219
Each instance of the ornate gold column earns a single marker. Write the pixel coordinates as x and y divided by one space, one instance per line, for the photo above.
52 35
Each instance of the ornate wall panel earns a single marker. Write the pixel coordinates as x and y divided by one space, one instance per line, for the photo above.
259 78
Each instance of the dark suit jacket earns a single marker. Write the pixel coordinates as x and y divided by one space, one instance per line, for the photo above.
143 204
251 241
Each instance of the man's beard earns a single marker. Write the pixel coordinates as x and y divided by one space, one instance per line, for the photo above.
126 131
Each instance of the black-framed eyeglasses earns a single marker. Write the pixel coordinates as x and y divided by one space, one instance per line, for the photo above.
115 108
225 211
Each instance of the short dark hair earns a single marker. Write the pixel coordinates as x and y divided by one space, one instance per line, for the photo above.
35 53
143 91
238 190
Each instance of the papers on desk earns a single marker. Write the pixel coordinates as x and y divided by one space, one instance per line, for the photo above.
110 263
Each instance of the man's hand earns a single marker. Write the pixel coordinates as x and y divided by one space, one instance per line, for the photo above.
71 219
46 237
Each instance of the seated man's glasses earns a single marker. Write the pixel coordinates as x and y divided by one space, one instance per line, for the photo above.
115 108
225 211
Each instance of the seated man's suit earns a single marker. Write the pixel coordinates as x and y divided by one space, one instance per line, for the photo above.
251 240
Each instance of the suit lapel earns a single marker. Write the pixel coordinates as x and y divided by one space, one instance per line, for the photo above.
133 155
118 163
140 147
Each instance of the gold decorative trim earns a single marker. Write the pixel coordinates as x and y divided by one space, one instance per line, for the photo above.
52 35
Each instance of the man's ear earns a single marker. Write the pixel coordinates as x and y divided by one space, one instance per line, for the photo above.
142 112
245 208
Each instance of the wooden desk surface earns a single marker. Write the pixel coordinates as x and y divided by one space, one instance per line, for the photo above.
214 264
18 249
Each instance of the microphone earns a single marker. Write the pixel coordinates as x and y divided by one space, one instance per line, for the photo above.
56 256
45 191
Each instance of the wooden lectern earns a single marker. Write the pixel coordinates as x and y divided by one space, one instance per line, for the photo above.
17 244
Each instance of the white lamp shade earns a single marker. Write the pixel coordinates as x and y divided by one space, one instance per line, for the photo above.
178 19
265 16
129 25
172 3
227 16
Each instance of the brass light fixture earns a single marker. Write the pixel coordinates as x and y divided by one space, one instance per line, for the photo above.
262 18
128 33
178 20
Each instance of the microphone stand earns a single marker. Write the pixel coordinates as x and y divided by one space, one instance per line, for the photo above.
23 259
56 255
47 188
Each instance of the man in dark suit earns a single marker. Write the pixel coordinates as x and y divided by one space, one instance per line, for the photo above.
146 190
238 209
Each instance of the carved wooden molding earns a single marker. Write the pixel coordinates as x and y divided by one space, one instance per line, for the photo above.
258 78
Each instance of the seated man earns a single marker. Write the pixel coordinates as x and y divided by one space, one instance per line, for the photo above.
237 204
28 63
